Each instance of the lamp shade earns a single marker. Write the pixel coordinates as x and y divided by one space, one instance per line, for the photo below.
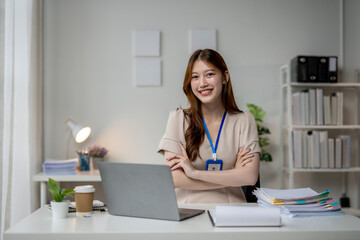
79 132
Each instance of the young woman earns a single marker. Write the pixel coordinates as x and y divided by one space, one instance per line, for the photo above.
212 147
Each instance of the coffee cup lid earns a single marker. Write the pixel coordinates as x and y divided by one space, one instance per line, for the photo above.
84 189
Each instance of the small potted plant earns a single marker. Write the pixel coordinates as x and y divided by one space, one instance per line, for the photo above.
59 206
97 154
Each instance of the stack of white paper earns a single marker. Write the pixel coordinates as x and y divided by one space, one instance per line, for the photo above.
60 167
232 216
300 202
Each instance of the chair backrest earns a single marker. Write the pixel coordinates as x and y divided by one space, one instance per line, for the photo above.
250 198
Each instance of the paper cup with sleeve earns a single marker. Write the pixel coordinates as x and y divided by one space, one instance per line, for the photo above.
84 197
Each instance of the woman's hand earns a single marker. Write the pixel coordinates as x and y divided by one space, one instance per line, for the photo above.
243 158
181 161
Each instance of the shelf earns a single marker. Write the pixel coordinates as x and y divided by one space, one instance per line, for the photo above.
352 127
85 176
343 84
340 127
325 170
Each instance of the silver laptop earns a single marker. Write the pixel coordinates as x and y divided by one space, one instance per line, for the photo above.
141 190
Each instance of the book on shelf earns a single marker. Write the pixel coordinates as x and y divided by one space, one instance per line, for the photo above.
305 151
338 152
340 107
307 107
302 108
319 106
346 151
314 149
333 108
324 160
297 150
331 152
327 111
296 108
312 109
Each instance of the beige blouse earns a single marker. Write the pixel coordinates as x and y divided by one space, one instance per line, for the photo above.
239 130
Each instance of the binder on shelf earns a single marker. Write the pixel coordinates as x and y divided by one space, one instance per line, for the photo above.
305 148
331 152
327 111
297 149
324 149
334 108
316 135
333 70
306 107
323 63
312 97
312 74
340 107
338 152
302 108
298 69
314 69
310 140
319 106
296 108
346 151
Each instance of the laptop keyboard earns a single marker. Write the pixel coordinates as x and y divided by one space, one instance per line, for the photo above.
184 212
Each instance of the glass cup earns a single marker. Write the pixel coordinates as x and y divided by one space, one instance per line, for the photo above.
84 160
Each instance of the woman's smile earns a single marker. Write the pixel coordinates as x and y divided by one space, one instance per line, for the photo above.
206 92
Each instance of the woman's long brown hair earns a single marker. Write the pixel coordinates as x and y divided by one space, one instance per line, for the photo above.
194 135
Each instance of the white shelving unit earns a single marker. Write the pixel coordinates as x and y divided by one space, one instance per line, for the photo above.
287 89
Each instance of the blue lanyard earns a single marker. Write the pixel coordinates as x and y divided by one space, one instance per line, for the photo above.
218 136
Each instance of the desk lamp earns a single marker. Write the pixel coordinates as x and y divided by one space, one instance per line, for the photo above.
79 133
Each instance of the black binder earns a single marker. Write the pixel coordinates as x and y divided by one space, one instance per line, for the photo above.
299 69
323 63
315 69
312 75
333 70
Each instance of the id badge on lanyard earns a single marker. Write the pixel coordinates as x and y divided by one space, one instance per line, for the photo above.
214 164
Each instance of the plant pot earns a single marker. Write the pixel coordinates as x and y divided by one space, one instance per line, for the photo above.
95 161
60 209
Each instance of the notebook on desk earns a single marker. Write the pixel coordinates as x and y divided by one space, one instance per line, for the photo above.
141 190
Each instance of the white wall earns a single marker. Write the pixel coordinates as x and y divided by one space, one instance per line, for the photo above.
88 66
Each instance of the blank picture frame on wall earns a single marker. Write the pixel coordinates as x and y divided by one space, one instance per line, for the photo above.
202 38
146 43
147 72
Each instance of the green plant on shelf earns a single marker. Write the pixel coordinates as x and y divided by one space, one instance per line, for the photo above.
259 115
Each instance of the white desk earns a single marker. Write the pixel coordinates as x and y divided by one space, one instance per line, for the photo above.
82 176
40 225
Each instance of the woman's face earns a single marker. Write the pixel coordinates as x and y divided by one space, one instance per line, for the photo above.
207 82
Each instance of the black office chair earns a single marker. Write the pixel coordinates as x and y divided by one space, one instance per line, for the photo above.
250 198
